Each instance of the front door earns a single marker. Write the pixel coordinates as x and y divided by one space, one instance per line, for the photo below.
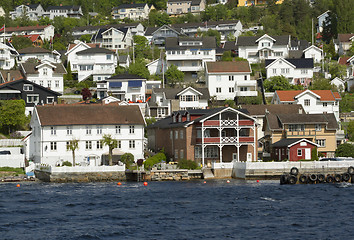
307 153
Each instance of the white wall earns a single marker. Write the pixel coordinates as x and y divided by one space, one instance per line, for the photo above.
15 159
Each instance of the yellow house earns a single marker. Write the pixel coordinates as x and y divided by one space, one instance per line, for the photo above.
318 128
247 3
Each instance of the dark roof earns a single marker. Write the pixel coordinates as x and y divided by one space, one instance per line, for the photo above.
171 93
123 25
68 7
98 35
228 67
14 75
150 30
125 76
95 50
207 43
286 142
33 6
10 83
328 118
33 50
297 62
30 68
260 110
296 53
251 40
204 24
345 37
195 2
133 5
89 114
230 45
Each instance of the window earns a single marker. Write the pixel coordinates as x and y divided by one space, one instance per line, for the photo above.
161 111
176 153
41 82
171 135
131 129
119 144
99 145
194 52
67 146
321 142
69 130
231 78
27 87
243 89
296 127
246 77
45 71
299 152
108 57
307 102
131 144
117 129
274 71
206 52
211 152
181 154
88 130
99 129
176 135
198 152
181 134
53 146
218 89
303 71
88 145
53 131
318 127
324 104
50 100
231 89
56 83
33 98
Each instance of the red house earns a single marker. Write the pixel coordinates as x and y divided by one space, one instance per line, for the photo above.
293 149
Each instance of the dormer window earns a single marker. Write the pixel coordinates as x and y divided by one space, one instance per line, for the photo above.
188 117
174 118
27 87
179 118
45 71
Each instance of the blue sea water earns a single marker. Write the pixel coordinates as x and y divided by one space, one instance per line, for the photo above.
176 210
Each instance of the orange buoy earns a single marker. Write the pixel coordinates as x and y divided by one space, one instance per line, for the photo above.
228 181
145 183
257 180
119 183
18 185
204 182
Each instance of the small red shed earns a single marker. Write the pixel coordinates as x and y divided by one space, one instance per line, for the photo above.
293 149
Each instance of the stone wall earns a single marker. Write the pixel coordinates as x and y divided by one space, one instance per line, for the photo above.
169 175
80 177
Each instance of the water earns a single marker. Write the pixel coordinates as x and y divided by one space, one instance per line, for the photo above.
176 210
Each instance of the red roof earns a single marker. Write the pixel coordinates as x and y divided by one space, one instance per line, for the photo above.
326 95
343 60
18 29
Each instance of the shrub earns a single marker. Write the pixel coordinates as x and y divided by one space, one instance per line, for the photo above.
67 163
157 158
314 156
187 164
127 159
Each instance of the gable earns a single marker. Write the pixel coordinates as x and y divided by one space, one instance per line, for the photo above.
280 62
189 91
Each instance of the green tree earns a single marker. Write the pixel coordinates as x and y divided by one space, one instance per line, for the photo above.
229 102
12 115
173 75
226 56
337 70
20 42
350 130
213 33
276 83
85 38
158 18
345 150
73 146
321 83
141 47
109 141
138 68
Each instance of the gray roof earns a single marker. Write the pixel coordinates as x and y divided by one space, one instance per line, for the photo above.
251 41
260 110
230 45
133 5
207 43
125 25
171 93
33 50
296 53
69 7
204 24
95 50
30 68
286 142
125 76
150 30
297 62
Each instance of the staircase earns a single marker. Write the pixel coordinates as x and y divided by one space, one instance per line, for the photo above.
207 173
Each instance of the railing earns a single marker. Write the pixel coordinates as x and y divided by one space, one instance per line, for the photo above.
245 122
225 140
246 93
222 165
301 133
227 123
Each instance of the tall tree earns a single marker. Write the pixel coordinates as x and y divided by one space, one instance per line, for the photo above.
173 75
109 141
12 115
73 146
276 83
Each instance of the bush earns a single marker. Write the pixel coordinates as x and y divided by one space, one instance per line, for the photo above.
67 163
157 158
345 150
187 164
314 156
127 159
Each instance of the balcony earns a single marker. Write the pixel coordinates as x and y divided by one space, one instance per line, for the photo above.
227 123
247 94
301 133
4 57
246 83
226 140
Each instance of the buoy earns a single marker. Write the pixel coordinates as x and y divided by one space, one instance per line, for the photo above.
18 185
228 181
204 182
119 183
257 180
145 183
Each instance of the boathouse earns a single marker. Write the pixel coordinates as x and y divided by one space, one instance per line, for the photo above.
293 149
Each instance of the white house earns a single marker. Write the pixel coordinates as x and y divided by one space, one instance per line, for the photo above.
255 49
157 66
38 53
8 55
54 126
114 38
64 11
349 64
134 11
227 80
313 101
322 20
32 11
315 53
45 32
45 73
299 71
190 54
339 83
158 35
125 86
124 60
98 62
164 101
2 12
